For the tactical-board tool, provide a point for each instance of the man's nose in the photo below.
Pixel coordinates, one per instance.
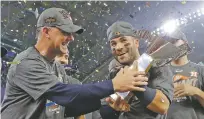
(119, 47)
(69, 38)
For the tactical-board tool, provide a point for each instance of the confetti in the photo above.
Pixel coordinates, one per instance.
(131, 16)
(14, 62)
(89, 3)
(183, 2)
(25, 31)
(92, 48)
(147, 4)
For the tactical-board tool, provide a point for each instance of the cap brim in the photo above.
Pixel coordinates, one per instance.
(71, 29)
(3, 51)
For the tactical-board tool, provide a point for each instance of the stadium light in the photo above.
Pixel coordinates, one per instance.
(170, 26)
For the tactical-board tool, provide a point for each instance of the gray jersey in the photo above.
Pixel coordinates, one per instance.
(187, 107)
(27, 82)
(159, 78)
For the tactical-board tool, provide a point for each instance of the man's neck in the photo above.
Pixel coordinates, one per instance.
(180, 62)
(45, 50)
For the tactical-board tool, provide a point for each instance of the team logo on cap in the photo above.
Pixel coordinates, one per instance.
(50, 20)
(117, 33)
(65, 14)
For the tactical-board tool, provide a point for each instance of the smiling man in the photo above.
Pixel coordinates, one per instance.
(155, 90)
(35, 78)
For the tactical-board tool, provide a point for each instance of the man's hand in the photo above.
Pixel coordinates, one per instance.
(118, 104)
(129, 80)
(182, 90)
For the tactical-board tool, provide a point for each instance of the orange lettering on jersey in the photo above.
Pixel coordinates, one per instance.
(178, 77)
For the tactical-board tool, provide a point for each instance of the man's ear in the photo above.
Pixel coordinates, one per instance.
(45, 31)
(137, 42)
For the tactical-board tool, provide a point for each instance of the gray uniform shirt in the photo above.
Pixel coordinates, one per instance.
(159, 78)
(187, 107)
(27, 82)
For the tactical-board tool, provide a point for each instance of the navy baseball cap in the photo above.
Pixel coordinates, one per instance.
(175, 36)
(178, 34)
(60, 18)
(120, 28)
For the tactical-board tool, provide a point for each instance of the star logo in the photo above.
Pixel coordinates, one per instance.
(194, 74)
(117, 33)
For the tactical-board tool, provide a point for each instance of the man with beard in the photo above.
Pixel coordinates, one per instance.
(149, 102)
(35, 78)
(188, 77)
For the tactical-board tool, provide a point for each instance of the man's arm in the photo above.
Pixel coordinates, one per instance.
(154, 100)
(159, 92)
(110, 108)
(36, 80)
(71, 80)
(200, 92)
(189, 90)
(182, 90)
(79, 99)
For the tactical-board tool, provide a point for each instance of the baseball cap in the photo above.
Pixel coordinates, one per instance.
(3, 51)
(60, 18)
(120, 28)
(178, 34)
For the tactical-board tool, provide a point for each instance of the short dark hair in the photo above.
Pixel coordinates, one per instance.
(37, 32)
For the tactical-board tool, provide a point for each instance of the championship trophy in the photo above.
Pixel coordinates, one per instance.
(159, 52)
